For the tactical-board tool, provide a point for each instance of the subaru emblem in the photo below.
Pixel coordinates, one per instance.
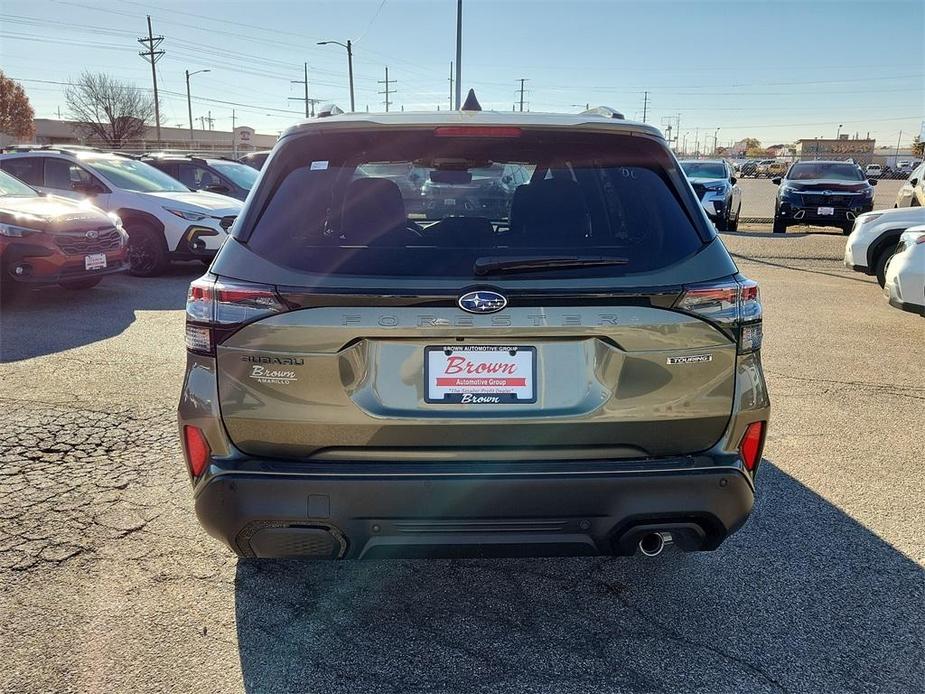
(92, 234)
(482, 301)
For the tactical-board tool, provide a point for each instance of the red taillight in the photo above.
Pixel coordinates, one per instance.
(197, 450)
(752, 443)
(216, 308)
(477, 131)
(734, 304)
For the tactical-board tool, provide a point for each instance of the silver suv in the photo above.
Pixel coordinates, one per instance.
(578, 373)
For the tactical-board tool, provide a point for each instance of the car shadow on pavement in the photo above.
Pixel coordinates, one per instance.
(50, 320)
(804, 598)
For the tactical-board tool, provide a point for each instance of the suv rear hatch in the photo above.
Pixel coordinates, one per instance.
(338, 321)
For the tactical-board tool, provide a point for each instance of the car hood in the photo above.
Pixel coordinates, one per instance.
(200, 201)
(823, 184)
(46, 213)
(899, 217)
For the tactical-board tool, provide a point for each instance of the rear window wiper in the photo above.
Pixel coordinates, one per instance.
(534, 263)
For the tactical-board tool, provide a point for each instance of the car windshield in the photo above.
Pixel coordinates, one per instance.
(461, 199)
(137, 176)
(241, 175)
(10, 186)
(699, 169)
(833, 172)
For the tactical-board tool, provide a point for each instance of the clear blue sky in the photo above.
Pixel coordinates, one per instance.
(773, 70)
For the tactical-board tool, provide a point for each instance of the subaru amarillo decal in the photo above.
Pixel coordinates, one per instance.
(482, 301)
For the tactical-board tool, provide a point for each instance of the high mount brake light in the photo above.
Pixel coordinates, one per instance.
(216, 308)
(732, 304)
(477, 131)
(751, 444)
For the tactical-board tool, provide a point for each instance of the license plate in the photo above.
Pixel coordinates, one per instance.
(449, 202)
(826, 210)
(480, 374)
(97, 261)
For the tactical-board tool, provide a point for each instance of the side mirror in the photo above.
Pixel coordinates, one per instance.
(872, 181)
(776, 181)
(219, 188)
(733, 180)
(913, 181)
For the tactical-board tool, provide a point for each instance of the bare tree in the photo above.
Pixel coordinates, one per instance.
(108, 109)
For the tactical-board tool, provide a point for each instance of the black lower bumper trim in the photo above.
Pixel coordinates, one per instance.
(906, 306)
(412, 514)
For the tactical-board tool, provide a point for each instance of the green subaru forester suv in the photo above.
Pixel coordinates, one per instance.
(576, 371)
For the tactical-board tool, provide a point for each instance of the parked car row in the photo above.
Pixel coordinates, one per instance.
(159, 218)
(890, 245)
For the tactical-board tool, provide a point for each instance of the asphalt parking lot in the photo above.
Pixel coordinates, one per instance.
(109, 585)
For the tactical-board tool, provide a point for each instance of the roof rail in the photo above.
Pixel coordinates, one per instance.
(605, 111)
(329, 110)
(51, 148)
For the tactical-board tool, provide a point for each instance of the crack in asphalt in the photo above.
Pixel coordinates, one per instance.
(891, 388)
(618, 590)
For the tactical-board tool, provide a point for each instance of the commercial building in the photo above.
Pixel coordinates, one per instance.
(243, 139)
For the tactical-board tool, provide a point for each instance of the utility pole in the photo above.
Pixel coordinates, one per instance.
(900, 139)
(458, 54)
(309, 103)
(451, 85)
(715, 134)
(388, 90)
(152, 55)
(234, 137)
(645, 105)
(522, 80)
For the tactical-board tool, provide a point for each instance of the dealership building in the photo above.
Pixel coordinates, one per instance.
(241, 140)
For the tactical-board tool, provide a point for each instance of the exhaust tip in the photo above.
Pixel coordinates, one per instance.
(652, 544)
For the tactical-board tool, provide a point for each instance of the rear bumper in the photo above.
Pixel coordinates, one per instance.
(345, 510)
(809, 214)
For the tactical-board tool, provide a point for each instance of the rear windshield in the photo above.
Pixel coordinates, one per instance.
(833, 172)
(426, 203)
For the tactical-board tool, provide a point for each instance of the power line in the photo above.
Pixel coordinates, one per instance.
(152, 55)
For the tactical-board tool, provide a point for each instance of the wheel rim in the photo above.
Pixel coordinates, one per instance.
(141, 255)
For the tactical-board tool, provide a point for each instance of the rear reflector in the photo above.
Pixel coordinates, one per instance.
(476, 131)
(751, 445)
(197, 450)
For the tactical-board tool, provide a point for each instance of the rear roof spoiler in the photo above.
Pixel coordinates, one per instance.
(605, 111)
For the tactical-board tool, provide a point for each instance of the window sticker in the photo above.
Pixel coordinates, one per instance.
(319, 166)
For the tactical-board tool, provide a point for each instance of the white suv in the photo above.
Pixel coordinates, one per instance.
(874, 237)
(165, 220)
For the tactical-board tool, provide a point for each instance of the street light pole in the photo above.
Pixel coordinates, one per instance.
(838, 132)
(349, 47)
(715, 134)
(189, 101)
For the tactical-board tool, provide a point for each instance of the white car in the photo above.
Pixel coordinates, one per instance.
(905, 273)
(912, 191)
(164, 219)
(874, 237)
(873, 171)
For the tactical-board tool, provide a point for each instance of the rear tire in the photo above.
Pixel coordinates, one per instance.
(779, 226)
(882, 260)
(147, 250)
(87, 283)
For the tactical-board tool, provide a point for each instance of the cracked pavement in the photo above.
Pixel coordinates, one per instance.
(109, 585)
